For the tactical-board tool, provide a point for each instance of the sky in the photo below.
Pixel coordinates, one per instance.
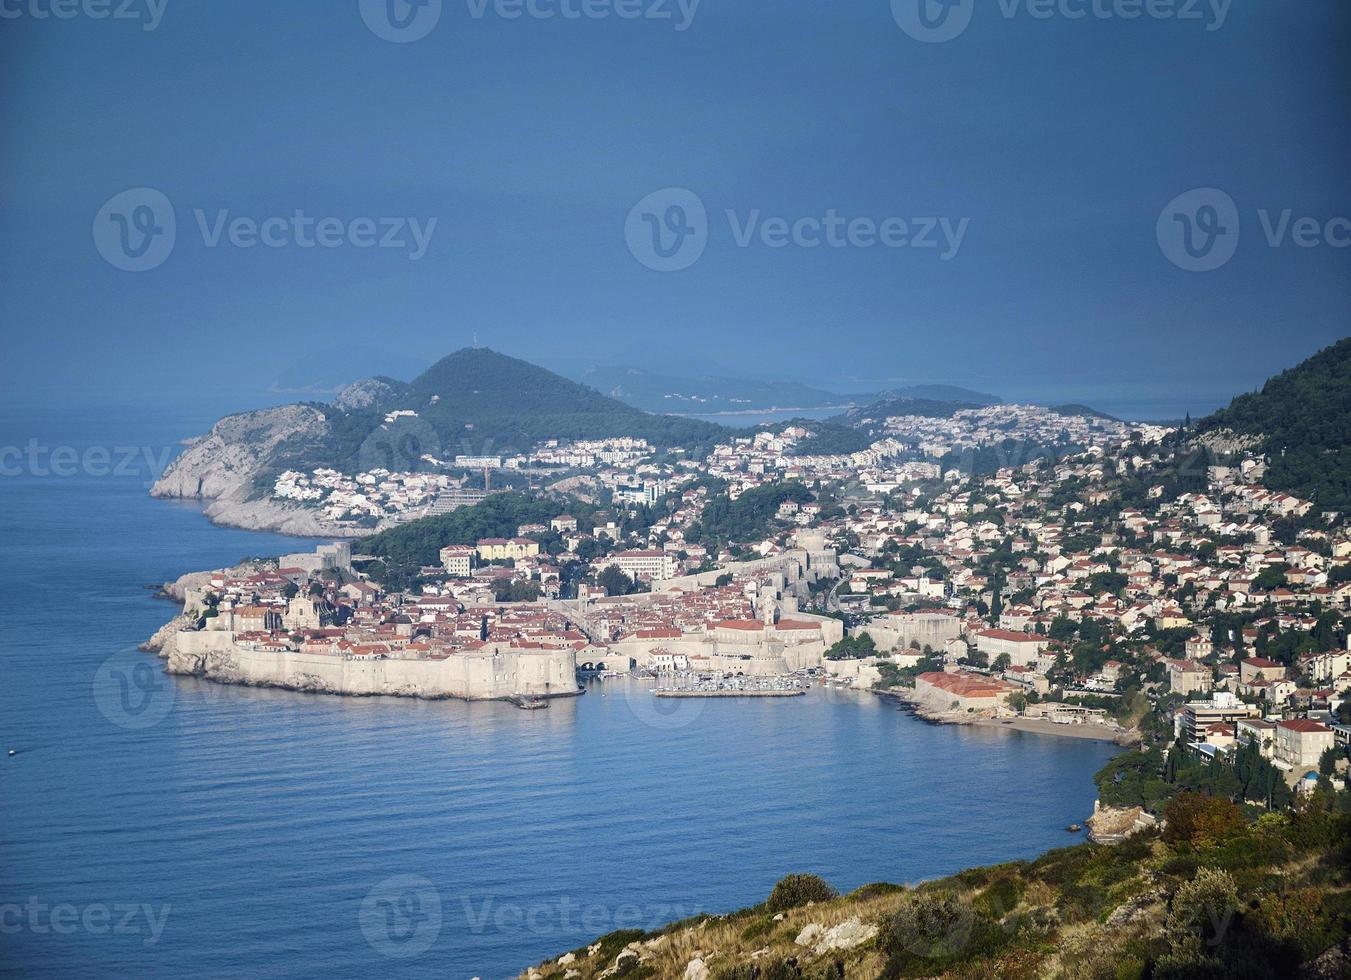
(1144, 213)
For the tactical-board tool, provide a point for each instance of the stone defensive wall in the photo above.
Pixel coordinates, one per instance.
(898, 631)
(476, 676)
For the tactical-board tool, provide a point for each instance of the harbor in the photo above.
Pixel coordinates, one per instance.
(696, 686)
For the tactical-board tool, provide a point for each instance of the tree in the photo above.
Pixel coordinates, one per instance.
(1201, 821)
(1001, 663)
(1327, 762)
(615, 582)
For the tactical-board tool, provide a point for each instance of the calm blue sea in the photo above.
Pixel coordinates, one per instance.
(159, 827)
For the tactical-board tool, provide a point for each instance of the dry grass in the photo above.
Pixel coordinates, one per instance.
(723, 941)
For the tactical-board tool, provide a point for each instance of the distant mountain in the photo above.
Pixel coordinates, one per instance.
(943, 393)
(480, 398)
(708, 394)
(1302, 420)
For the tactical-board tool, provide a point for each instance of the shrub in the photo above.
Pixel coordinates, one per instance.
(1198, 923)
(1293, 919)
(1002, 896)
(794, 891)
(875, 889)
(937, 931)
(1201, 821)
(742, 971)
(761, 927)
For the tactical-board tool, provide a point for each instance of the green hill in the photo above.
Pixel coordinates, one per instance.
(489, 402)
(474, 402)
(1303, 418)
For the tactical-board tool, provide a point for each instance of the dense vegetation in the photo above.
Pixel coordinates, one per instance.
(749, 516)
(406, 548)
(1216, 895)
(1304, 417)
(830, 439)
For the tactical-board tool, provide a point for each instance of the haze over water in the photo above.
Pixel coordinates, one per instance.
(260, 827)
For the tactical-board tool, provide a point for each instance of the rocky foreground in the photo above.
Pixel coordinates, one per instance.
(1211, 896)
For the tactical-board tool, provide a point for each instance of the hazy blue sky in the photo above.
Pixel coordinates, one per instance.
(1058, 141)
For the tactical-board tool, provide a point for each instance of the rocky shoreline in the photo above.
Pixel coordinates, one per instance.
(222, 469)
(1031, 726)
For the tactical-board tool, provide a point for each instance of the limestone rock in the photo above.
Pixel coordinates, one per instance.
(810, 935)
(1112, 825)
(223, 469)
(848, 934)
(696, 969)
(365, 394)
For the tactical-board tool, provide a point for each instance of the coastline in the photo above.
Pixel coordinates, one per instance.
(1123, 737)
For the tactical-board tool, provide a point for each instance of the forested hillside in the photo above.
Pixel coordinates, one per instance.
(1304, 418)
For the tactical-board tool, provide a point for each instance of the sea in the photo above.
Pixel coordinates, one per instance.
(155, 826)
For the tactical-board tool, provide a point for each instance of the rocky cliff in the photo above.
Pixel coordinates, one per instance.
(223, 470)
